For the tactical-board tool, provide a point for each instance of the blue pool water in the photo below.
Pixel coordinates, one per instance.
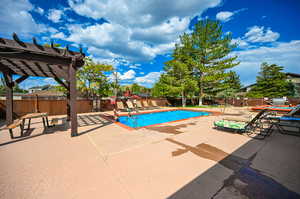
(280, 107)
(147, 119)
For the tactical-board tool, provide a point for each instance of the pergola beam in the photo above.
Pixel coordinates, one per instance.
(61, 82)
(21, 79)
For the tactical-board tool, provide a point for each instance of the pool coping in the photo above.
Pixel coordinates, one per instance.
(259, 108)
(213, 113)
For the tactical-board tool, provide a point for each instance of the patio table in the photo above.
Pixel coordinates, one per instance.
(30, 116)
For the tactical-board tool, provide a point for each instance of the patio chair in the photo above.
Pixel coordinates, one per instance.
(286, 124)
(130, 105)
(121, 107)
(242, 127)
(146, 105)
(154, 104)
(139, 105)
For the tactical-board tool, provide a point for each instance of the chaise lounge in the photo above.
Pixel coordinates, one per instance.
(241, 126)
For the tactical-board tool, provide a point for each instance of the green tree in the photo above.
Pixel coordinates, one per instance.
(135, 88)
(16, 88)
(210, 54)
(92, 80)
(232, 81)
(177, 79)
(271, 82)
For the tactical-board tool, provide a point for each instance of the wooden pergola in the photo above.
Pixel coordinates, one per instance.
(31, 59)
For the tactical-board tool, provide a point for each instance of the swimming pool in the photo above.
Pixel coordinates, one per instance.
(146, 119)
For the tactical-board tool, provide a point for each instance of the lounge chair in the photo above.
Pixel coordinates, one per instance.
(241, 127)
(121, 107)
(139, 105)
(130, 105)
(146, 105)
(287, 124)
(154, 104)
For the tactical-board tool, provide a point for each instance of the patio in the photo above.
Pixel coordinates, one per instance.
(185, 159)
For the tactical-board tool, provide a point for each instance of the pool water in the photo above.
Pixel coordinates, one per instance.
(280, 107)
(146, 119)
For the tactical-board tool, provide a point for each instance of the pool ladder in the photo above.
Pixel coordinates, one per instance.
(133, 118)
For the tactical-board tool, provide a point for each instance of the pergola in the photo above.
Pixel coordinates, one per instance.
(31, 59)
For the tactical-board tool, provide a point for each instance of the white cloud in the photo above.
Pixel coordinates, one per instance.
(166, 32)
(39, 10)
(149, 79)
(114, 41)
(128, 75)
(227, 15)
(139, 31)
(254, 35)
(59, 35)
(224, 16)
(143, 13)
(282, 53)
(34, 81)
(135, 66)
(239, 42)
(15, 17)
(261, 34)
(55, 15)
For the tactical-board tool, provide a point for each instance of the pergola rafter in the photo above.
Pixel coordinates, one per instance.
(31, 59)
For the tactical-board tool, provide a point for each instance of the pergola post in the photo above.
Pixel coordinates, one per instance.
(9, 97)
(68, 103)
(73, 97)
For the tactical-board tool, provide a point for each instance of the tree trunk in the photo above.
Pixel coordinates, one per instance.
(100, 103)
(201, 93)
(201, 96)
(183, 100)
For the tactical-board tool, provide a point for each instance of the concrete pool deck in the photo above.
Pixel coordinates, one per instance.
(186, 159)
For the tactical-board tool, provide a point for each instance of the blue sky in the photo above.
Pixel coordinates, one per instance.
(137, 37)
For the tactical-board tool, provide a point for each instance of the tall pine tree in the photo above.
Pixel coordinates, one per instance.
(271, 82)
(210, 53)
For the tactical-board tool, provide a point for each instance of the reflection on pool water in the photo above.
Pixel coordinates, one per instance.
(147, 119)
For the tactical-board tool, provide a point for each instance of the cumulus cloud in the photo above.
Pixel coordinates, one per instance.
(224, 16)
(59, 35)
(282, 53)
(149, 79)
(113, 40)
(55, 15)
(261, 34)
(37, 81)
(15, 16)
(128, 75)
(138, 31)
(254, 35)
(141, 13)
(227, 15)
(239, 42)
(166, 32)
(39, 10)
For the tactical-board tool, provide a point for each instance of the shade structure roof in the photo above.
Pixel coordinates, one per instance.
(33, 59)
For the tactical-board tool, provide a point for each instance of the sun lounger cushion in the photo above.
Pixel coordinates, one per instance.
(230, 124)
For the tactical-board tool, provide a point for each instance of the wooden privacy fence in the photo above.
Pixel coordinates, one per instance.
(52, 107)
